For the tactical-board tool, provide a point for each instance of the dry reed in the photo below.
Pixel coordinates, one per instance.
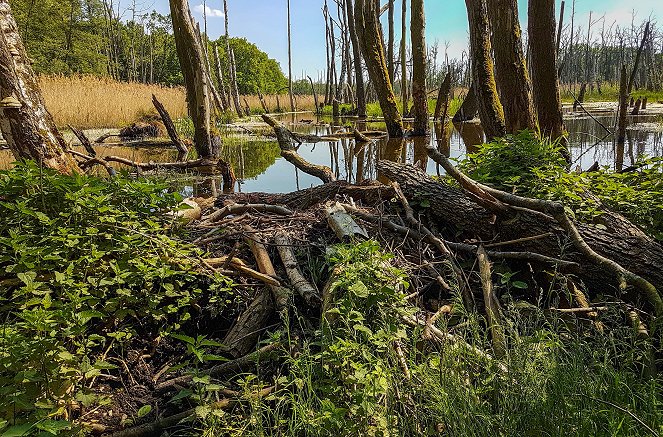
(97, 102)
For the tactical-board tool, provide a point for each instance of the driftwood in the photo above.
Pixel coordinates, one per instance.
(289, 152)
(85, 142)
(620, 241)
(343, 225)
(244, 334)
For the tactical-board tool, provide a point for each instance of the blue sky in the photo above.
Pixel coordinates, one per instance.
(264, 22)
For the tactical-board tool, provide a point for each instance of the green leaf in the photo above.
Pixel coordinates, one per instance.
(17, 430)
(519, 284)
(54, 426)
(144, 410)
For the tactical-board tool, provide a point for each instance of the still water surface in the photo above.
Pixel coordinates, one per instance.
(259, 167)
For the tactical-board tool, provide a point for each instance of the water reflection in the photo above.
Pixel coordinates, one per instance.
(259, 167)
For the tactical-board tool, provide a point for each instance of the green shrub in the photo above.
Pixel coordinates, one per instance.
(87, 266)
(525, 165)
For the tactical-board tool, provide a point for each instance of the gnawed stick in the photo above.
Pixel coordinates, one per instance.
(241, 267)
(282, 295)
(493, 310)
(297, 279)
(402, 362)
(235, 209)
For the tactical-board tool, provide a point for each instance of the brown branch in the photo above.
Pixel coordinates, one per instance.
(285, 139)
(298, 281)
(557, 211)
(170, 128)
(235, 209)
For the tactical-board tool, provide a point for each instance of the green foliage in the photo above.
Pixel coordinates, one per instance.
(87, 266)
(256, 71)
(348, 380)
(528, 166)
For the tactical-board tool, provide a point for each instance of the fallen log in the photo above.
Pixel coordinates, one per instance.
(369, 193)
(243, 336)
(617, 239)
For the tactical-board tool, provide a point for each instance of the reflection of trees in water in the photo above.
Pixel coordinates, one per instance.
(472, 135)
(251, 158)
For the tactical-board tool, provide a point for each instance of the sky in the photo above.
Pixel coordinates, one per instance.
(264, 22)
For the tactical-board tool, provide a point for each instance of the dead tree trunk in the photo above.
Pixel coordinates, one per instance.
(26, 124)
(193, 66)
(392, 38)
(403, 50)
(292, 99)
(490, 107)
(419, 94)
(368, 31)
(356, 54)
(469, 108)
(513, 83)
(623, 108)
(232, 74)
(541, 31)
(443, 98)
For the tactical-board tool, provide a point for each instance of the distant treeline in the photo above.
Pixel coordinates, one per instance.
(109, 38)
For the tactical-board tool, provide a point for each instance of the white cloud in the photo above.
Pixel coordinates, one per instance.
(210, 12)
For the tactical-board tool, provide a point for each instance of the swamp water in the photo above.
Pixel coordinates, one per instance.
(259, 167)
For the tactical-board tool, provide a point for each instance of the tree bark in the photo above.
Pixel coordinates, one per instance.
(403, 50)
(391, 42)
(469, 108)
(541, 30)
(419, 94)
(443, 99)
(490, 107)
(620, 241)
(356, 54)
(292, 99)
(513, 83)
(26, 124)
(367, 26)
(192, 61)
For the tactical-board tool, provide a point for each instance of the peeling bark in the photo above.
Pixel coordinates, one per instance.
(26, 125)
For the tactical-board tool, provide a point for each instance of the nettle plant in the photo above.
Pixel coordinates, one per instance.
(528, 166)
(87, 266)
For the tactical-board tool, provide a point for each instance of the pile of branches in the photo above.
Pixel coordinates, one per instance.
(448, 238)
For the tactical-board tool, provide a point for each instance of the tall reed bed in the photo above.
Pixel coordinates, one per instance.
(97, 102)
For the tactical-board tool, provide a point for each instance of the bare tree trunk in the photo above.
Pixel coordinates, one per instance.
(623, 108)
(515, 88)
(368, 32)
(192, 61)
(404, 97)
(490, 107)
(26, 124)
(356, 54)
(232, 77)
(392, 38)
(221, 82)
(645, 36)
(443, 98)
(559, 28)
(292, 100)
(419, 94)
(547, 100)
